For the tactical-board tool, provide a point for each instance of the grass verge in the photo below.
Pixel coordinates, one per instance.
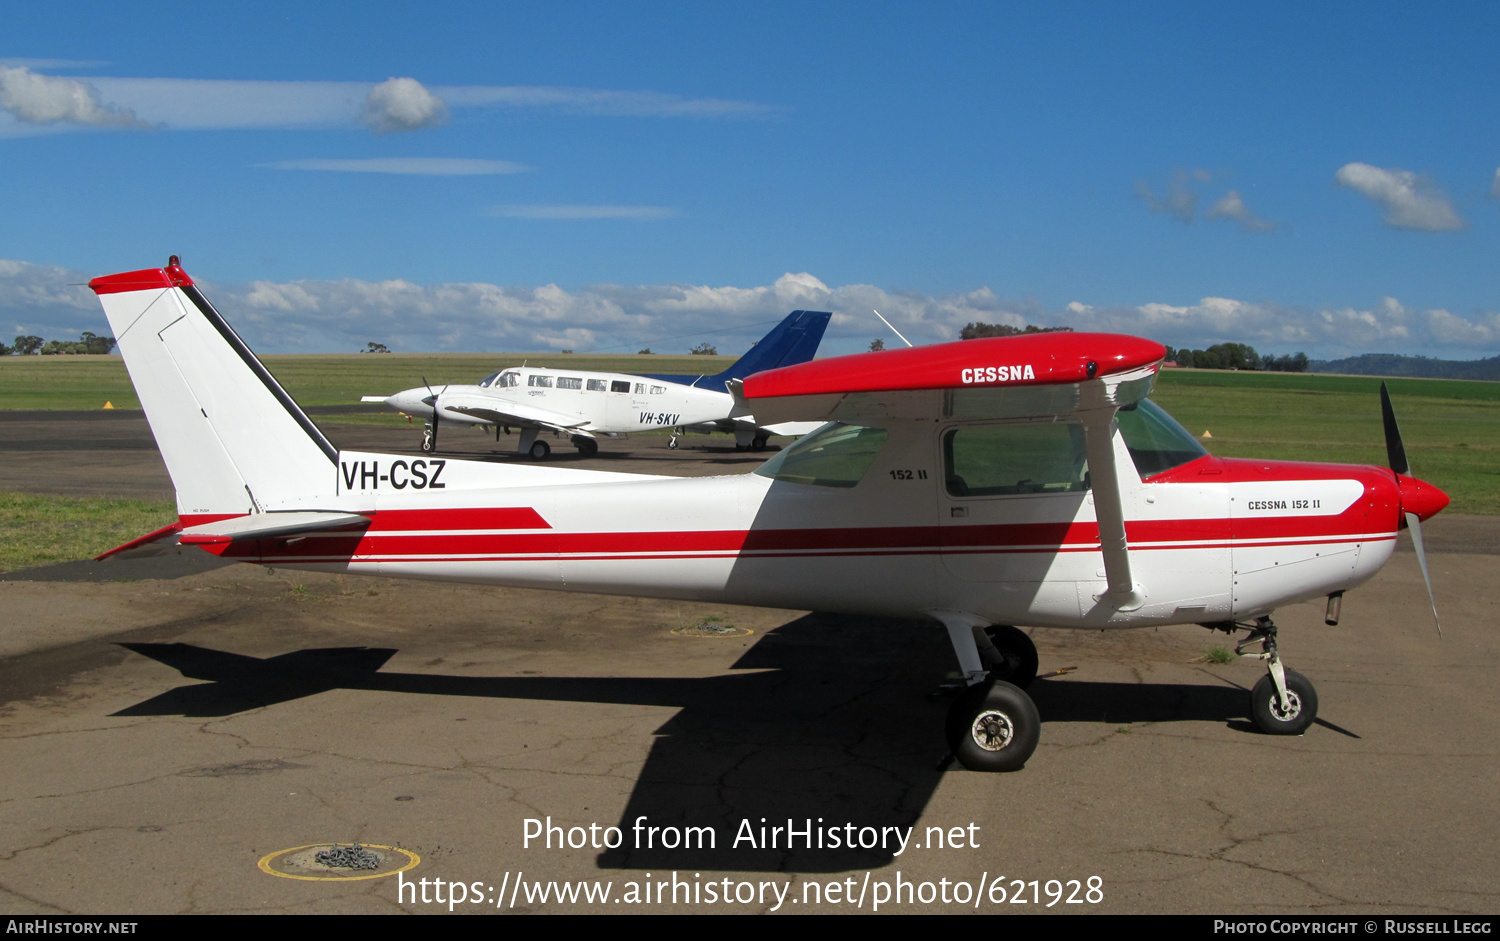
(41, 530)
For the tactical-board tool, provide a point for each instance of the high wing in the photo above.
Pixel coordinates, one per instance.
(496, 412)
(1085, 375)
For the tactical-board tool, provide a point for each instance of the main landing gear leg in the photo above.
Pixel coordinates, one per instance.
(672, 441)
(992, 725)
(1283, 702)
(429, 438)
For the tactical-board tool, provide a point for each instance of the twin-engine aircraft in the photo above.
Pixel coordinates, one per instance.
(583, 405)
(979, 485)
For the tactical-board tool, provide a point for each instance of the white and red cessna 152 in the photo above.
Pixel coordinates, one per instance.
(980, 484)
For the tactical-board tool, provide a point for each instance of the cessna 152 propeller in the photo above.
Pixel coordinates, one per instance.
(585, 404)
(980, 484)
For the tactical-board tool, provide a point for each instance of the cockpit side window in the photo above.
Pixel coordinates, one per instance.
(1155, 441)
(509, 380)
(1015, 458)
(836, 455)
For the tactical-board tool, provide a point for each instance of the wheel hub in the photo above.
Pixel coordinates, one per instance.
(992, 730)
(1286, 712)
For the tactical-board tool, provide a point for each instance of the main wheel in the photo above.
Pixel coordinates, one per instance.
(672, 443)
(429, 441)
(540, 450)
(993, 726)
(1290, 718)
(759, 442)
(1018, 658)
(587, 447)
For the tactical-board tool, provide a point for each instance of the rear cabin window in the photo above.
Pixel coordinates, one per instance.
(1015, 458)
(597, 385)
(1155, 441)
(615, 385)
(568, 382)
(658, 390)
(835, 455)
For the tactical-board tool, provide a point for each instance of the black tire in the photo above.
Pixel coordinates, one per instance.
(1018, 661)
(993, 726)
(759, 443)
(1268, 713)
(429, 443)
(587, 447)
(540, 450)
(671, 444)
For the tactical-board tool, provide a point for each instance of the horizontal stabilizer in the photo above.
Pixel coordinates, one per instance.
(270, 525)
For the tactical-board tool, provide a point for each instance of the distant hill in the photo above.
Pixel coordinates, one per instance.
(1416, 367)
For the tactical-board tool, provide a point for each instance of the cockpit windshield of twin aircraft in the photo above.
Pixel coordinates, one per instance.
(993, 459)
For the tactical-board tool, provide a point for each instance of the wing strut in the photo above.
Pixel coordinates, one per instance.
(1123, 593)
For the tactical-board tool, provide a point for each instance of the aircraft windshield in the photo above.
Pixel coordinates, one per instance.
(487, 380)
(836, 455)
(1156, 442)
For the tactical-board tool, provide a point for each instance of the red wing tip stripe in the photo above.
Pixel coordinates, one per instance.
(144, 280)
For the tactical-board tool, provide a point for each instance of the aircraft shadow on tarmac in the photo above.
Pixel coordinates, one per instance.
(837, 723)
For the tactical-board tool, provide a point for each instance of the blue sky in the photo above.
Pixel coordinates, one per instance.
(494, 176)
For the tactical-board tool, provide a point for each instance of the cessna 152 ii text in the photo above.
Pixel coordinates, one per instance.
(584, 404)
(979, 484)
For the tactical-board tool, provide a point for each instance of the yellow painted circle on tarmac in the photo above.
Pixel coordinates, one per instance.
(707, 630)
(268, 861)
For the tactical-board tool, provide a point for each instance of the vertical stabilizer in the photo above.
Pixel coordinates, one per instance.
(232, 438)
(790, 342)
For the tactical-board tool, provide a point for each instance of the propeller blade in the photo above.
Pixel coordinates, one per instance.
(1395, 451)
(1414, 524)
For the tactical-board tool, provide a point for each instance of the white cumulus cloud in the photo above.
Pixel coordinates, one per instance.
(402, 104)
(48, 99)
(1410, 201)
(344, 315)
(1232, 206)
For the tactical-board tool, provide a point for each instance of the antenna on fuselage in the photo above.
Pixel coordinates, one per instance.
(893, 329)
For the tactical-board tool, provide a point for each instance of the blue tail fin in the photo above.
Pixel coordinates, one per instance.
(792, 341)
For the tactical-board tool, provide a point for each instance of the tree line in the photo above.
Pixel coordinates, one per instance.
(1237, 356)
(87, 343)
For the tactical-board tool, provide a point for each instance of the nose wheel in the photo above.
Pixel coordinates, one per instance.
(1283, 702)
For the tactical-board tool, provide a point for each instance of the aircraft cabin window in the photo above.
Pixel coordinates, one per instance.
(658, 390)
(543, 381)
(835, 455)
(1155, 441)
(1015, 458)
(640, 388)
(597, 385)
(616, 385)
(569, 382)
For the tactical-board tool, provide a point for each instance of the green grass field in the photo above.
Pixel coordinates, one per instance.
(87, 382)
(1451, 427)
(37, 530)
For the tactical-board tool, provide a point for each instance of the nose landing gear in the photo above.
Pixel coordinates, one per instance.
(1283, 702)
